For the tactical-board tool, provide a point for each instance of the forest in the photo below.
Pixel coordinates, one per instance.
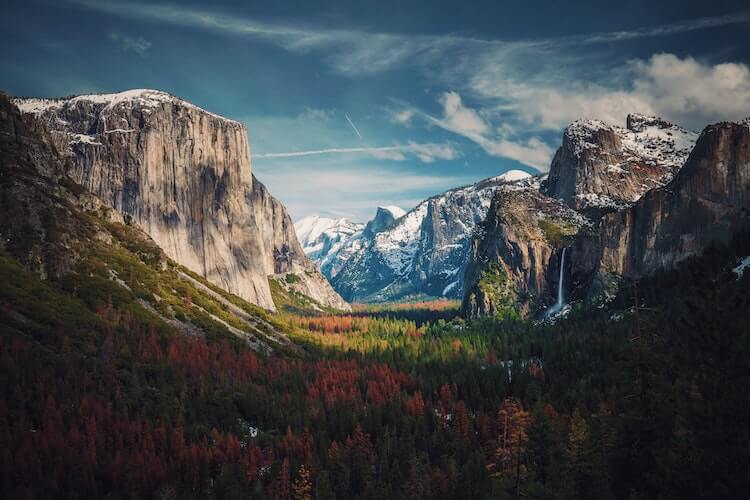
(646, 396)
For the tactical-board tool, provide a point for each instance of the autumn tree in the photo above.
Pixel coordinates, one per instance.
(302, 487)
(506, 462)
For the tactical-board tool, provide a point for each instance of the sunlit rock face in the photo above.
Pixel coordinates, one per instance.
(184, 176)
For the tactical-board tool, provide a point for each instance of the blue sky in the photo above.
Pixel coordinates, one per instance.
(350, 105)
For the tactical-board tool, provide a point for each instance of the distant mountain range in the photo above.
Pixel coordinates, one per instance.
(625, 201)
(397, 255)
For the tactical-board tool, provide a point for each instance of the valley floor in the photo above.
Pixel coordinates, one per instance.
(103, 397)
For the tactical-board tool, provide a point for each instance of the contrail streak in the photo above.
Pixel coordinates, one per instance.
(353, 126)
(330, 151)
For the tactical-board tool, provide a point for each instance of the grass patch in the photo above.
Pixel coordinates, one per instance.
(559, 234)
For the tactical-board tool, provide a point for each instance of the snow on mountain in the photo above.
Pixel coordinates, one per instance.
(326, 241)
(395, 211)
(512, 176)
(425, 251)
(141, 98)
(743, 266)
(607, 166)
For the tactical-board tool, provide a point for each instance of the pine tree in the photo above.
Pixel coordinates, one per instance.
(578, 454)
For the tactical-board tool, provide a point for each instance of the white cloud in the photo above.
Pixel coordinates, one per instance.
(459, 118)
(683, 90)
(533, 152)
(403, 116)
(467, 122)
(687, 90)
(428, 153)
(139, 45)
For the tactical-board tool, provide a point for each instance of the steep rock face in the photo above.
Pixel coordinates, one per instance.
(708, 201)
(183, 175)
(516, 256)
(425, 251)
(280, 251)
(384, 218)
(600, 166)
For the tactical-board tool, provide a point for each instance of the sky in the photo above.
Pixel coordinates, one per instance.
(354, 104)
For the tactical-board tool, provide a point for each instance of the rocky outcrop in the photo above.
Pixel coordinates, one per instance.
(707, 202)
(515, 258)
(314, 288)
(605, 167)
(183, 175)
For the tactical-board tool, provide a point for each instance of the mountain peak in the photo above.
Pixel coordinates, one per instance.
(512, 176)
(637, 122)
(395, 211)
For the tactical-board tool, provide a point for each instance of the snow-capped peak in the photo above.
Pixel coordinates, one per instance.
(310, 228)
(512, 176)
(650, 138)
(396, 212)
(324, 238)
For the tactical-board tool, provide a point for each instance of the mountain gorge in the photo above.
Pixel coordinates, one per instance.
(420, 253)
(183, 175)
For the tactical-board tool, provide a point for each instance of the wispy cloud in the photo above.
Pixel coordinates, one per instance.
(427, 153)
(467, 122)
(507, 95)
(357, 52)
(350, 191)
(138, 44)
(353, 126)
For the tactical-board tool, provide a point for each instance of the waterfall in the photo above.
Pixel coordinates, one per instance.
(557, 307)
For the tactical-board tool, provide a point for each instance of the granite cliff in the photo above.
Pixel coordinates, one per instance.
(184, 176)
(628, 201)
